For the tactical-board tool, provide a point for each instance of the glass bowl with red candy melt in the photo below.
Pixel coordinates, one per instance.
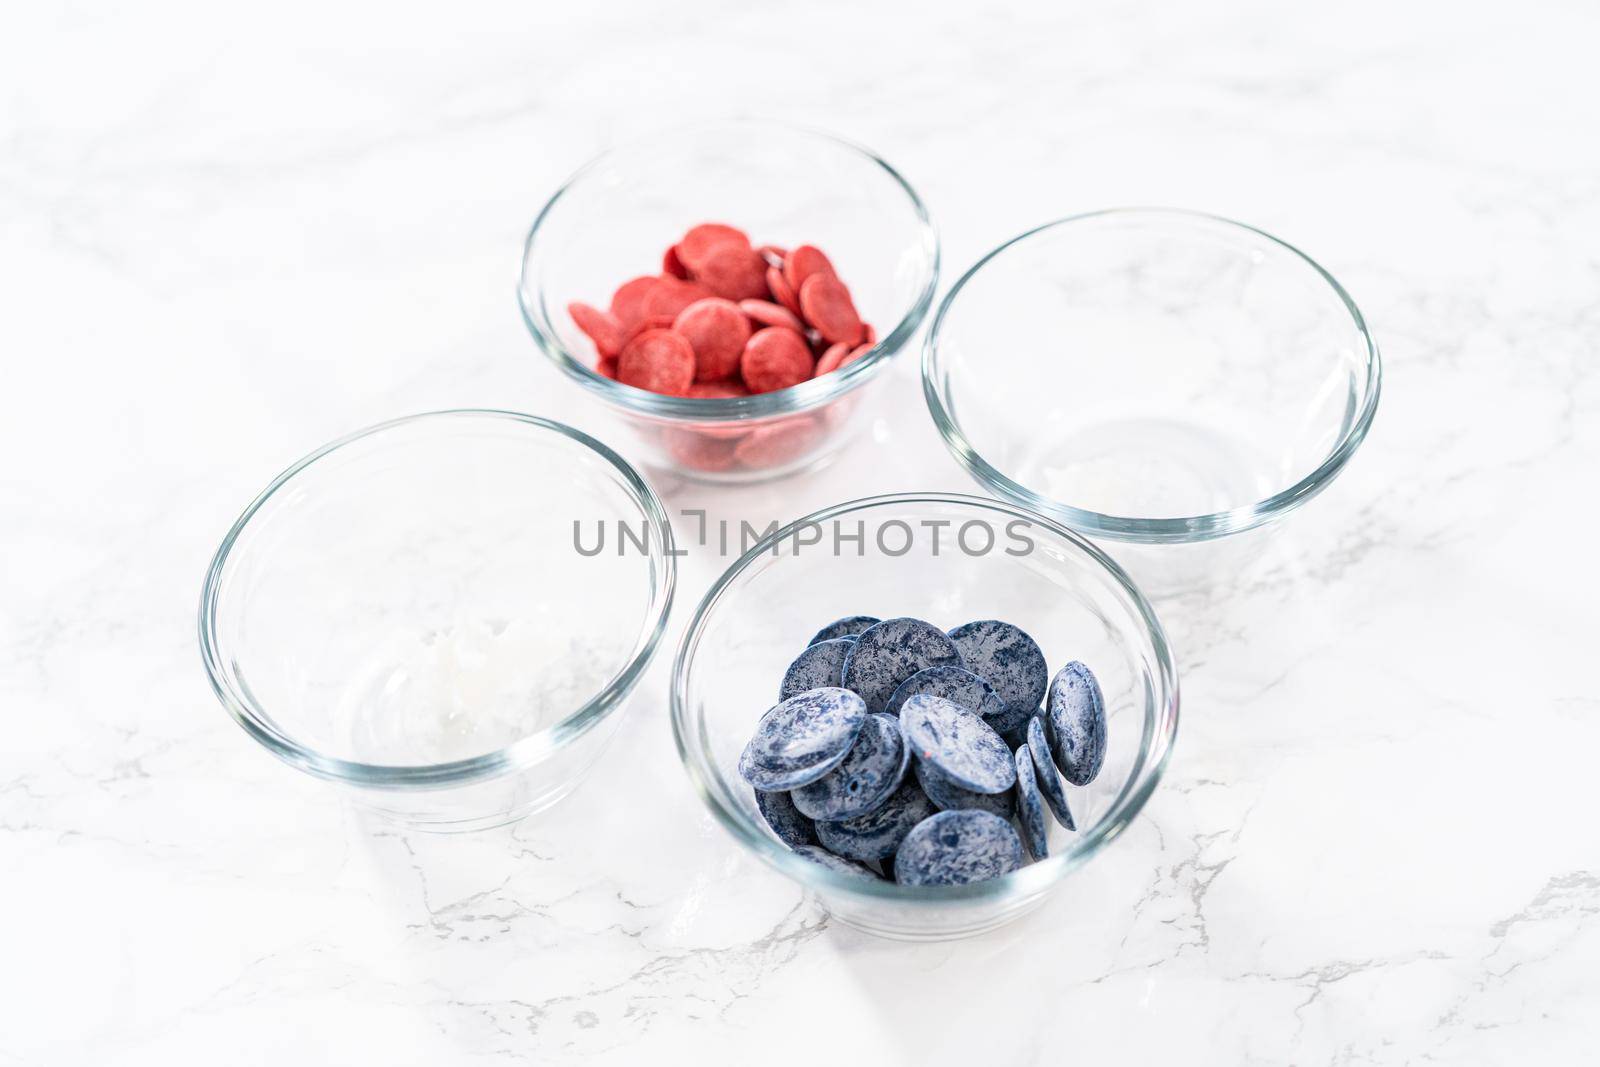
(782, 186)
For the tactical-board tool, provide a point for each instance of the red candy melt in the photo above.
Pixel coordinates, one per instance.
(720, 258)
(775, 358)
(766, 313)
(699, 451)
(717, 331)
(778, 443)
(736, 272)
(833, 358)
(726, 390)
(671, 264)
(839, 356)
(659, 361)
(601, 326)
(671, 295)
(782, 291)
(627, 303)
(825, 303)
(802, 263)
(726, 319)
(704, 240)
(649, 322)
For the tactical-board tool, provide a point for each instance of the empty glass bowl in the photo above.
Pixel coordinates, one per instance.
(948, 559)
(1151, 376)
(418, 612)
(783, 186)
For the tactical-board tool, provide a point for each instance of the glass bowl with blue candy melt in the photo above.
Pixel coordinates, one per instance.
(949, 559)
(407, 613)
(1153, 377)
(780, 184)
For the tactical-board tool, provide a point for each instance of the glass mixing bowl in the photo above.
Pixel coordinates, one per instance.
(948, 559)
(782, 185)
(1151, 376)
(417, 612)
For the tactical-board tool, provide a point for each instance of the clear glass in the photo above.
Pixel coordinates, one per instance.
(780, 184)
(406, 612)
(1151, 376)
(930, 556)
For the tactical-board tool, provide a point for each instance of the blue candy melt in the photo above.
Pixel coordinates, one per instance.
(824, 858)
(958, 848)
(877, 834)
(989, 735)
(1012, 725)
(873, 769)
(1045, 773)
(820, 664)
(803, 738)
(848, 627)
(947, 796)
(889, 652)
(1030, 808)
(957, 685)
(1076, 721)
(958, 744)
(779, 812)
(1009, 660)
(1017, 736)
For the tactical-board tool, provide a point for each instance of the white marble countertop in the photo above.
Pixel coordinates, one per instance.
(228, 234)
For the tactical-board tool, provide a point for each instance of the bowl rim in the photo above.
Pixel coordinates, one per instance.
(803, 397)
(520, 754)
(1171, 530)
(1157, 736)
